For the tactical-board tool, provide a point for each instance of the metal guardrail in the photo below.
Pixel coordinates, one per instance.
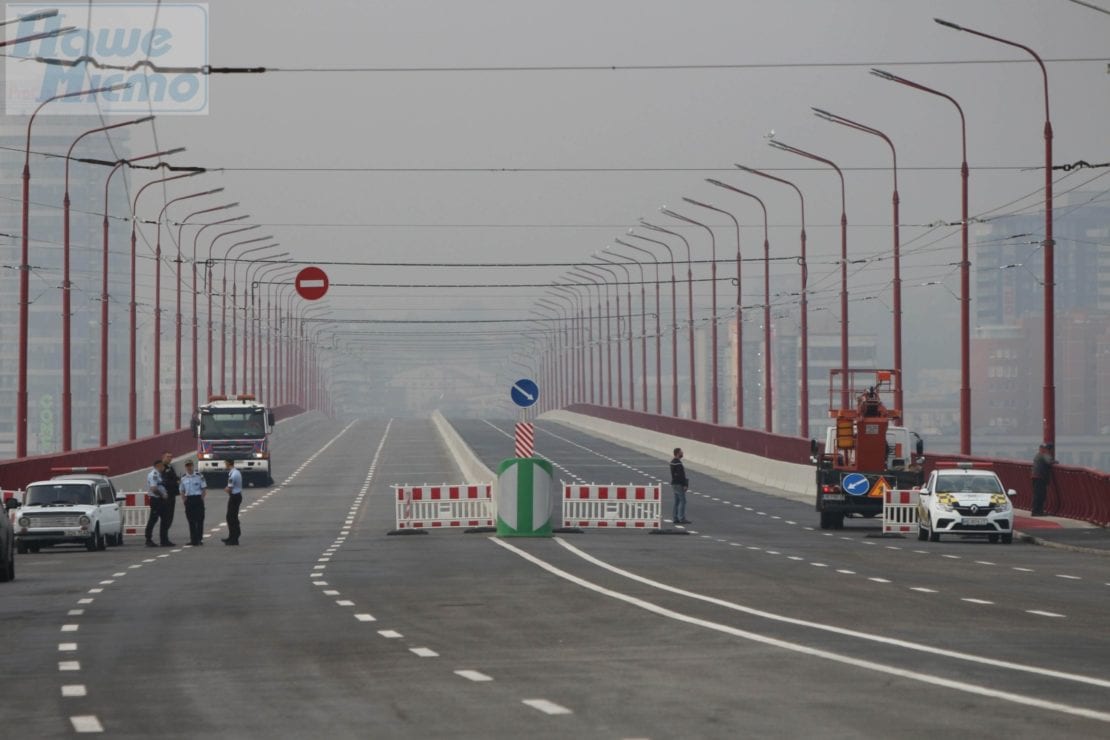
(1075, 493)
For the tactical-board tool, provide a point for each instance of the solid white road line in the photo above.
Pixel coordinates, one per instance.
(547, 707)
(829, 628)
(473, 675)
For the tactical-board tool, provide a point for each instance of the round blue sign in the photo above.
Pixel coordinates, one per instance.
(525, 392)
(856, 484)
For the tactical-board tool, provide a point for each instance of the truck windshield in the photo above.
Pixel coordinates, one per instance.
(59, 494)
(233, 425)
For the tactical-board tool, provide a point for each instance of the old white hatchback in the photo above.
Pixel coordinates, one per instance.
(81, 508)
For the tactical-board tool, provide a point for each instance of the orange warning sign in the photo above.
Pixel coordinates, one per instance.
(879, 489)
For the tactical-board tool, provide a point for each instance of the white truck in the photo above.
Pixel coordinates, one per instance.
(234, 429)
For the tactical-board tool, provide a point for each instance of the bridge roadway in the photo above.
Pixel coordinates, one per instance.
(753, 625)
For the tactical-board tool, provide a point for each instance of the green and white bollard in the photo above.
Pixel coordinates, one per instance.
(525, 504)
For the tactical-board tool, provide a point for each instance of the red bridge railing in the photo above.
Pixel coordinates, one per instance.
(1075, 493)
(120, 458)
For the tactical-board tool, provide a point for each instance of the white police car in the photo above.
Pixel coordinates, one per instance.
(964, 500)
(77, 507)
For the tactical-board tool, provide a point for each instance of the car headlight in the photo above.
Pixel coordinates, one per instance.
(24, 522)
(205, 456)
(1003, 507)
(260, 455)
(948, 507)
(84, 521)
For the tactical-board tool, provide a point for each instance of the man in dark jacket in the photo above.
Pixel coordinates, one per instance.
(679, 484)
(1042, 474)
(172, 483)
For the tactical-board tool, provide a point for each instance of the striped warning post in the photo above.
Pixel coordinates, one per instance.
(525, 439)
(899, 511)
(445, 506)
(614, 506)
(135, 511)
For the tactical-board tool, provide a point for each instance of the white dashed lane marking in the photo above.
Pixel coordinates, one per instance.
(424, 652)
(547, 707)
(473, 675)
(977, 601)
(69, 665)
(74, 690)
(390, 634)
(86, 723)
(365, 617)
(1040, 613)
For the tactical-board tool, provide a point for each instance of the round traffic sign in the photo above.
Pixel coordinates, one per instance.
(856, 484)
(312, 283)
(525, 392)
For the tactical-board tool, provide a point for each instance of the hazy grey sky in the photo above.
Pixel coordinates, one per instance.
(698, 119)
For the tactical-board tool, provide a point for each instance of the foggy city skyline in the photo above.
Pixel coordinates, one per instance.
(497, 132)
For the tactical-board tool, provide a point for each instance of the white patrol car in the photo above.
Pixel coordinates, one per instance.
(966, 501)
(76, 507)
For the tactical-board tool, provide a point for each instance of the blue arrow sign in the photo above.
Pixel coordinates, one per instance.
(525, 392)
(856, 484)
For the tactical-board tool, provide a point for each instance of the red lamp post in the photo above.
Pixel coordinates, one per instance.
(263, 366)
(768, 377)
(617, 304)
(132, 401)
(104, 291)
(208, 292)
(690, 307)
(25, 256)
(674, 320)
(965, 262)
(631, 332)
(223, 309)
(194, 291)
(643, 327)
(581, 273)
(586, 341)
(177, 321)
(844, 400)
(1049, 399)
(803, 411)
(67, 390)
(250, 316)
(833, 118)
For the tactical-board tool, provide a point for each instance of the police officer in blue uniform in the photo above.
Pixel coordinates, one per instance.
(157, 497)
(234, 501)
(193, 490)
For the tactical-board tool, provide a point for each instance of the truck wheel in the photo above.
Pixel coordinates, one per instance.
(838, 521)
(826, 520)
(1008, 539)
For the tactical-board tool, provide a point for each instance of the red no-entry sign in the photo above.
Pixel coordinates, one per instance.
(312, 283)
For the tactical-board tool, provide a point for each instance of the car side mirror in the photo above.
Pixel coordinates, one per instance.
(813, 448)
(1011, 493)
(194, 424)
(270, 417)
(120, 498)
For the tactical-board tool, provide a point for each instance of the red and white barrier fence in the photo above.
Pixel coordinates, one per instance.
(899, 511)
(525, 439)
(615, 506)
(445, 506)
(134, 511)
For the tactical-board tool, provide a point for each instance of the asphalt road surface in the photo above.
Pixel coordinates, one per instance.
(754, 624)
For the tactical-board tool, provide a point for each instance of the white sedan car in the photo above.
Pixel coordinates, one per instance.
(80, 509)
(964, 500)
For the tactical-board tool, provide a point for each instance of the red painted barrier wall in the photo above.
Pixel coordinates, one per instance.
(120, 458)
(1075, 493)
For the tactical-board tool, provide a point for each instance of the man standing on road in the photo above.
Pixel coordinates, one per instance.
(1042, 475)
(170, 481)
(157, 497)
(234, 501)
(679, 484)
(193, 490)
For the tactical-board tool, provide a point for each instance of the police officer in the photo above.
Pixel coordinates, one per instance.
(170, 480)
(157, 496)
(234, 501)
(193, 491)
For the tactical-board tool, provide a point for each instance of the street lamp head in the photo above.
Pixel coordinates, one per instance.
(949, 24)
(38, 15)
(693, 202)
(883, 74)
